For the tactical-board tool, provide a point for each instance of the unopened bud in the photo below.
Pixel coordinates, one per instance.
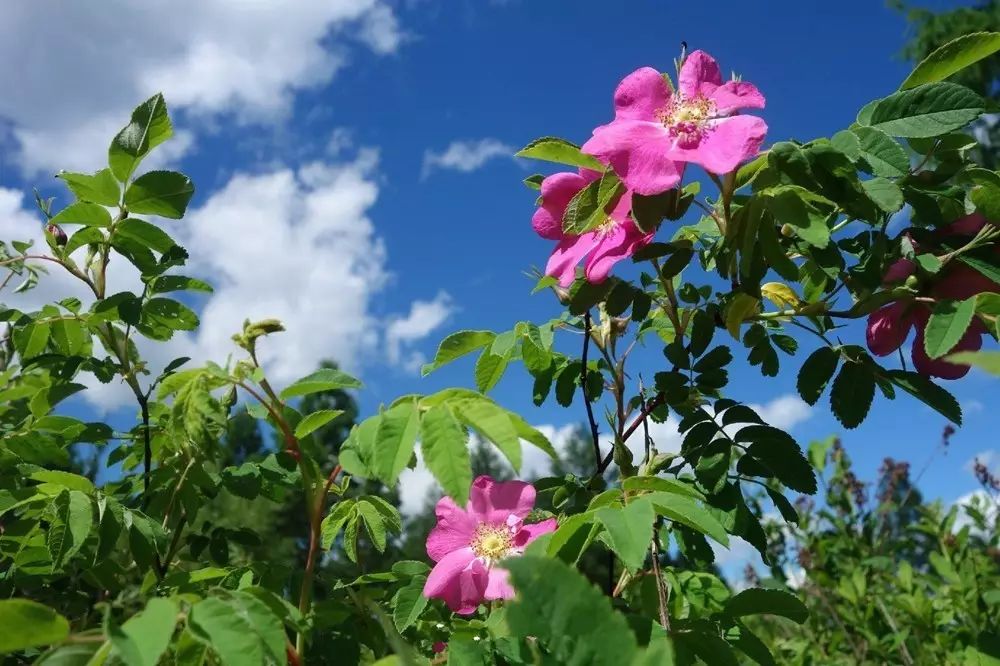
(57, 233)
(912, 282)
(787, 230)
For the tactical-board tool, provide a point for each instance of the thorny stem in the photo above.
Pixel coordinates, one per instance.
(662, 594)
(652, 404)
(316, 519)
(583, 389)
(291, 443)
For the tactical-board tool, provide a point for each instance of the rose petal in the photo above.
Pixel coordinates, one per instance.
(970, 225)
(925, 365)
(557, 191)
(961, 282)
(493, 502)
(568, 254)
(454, 530)
(732, 96)
(641, 95)
(725, 145)
(498, 585)
(698, 69)
(888, 328)
(459, 579)
(637, 151)
(620, 244)
(529, 533)
(899, 271)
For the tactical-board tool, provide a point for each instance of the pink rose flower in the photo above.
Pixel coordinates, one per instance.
(656, 131)
(616, 239)
(468, 543)
(889, 326)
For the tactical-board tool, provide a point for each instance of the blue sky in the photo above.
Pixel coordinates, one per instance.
(353, 170)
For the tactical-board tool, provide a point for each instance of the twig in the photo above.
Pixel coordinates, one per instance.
(661, 587)
(646, 411)
(315, 525)
(583, 389)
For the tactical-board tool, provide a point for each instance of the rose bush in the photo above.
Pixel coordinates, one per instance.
(792, 245)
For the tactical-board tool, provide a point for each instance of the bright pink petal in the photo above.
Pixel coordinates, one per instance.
(699, 75)
(726, 144)
(732, 96)
(925, 365)
(888, 328)
(557, 190)
(899, 271)
(529, 533)
(620, 244)
(494, 502)
(637, 151)
(641, 95)
(454, 530)
(568, 254)
(960, 282)
(459, 579)
(499, 586)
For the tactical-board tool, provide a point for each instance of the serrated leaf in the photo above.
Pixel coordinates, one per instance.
(490, 368)
(493, 423)
(86, 214)
(686, 511)
(953, 57)
(149, 632)
(149, 127)
(885, 193)
(554, 149)
(551, 603)
(163, 193)
(315, 421)
(739, 309)
(852, 394)
(29, 624)
(456, 345)
(984, 360)
(99, 188)
(883, 154)
(816, 373)
(928, 392)
(74, 518)
(443, 442)
(408, 603)
(779, 455)
(947, 324)
(241, 629)
(927, 110)
(630, 530)
(758, 601)
(586, 210)
(145, 234)
(327, 379)
(394, 441)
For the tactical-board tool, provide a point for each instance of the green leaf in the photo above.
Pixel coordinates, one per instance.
(984, 360)
(586, 210)
(101, 188)
(816, 373)
(457, 345)
(852, 394)
(28, 624)
(73, 519)
(494, 424)
(567, 614)
(928, 392)
(149, 127)
(69, 336)
(84, 236)
(686, 511)
(241, 629)
(145, 234)
(490, 368)
(953, 57)
(327, 379)
(847, 142)
(779, 454)
(630, 530)
(443, 443)
(163, 193)
(885, 193)
(150, 631)
(394, 441)
(166, 313)
(316, 420)
(554, 149)
(167, 283)
(793, 205)
(928, 110)
(986, 198)
(87, 214)
(408, 603)
(947, 324)
(757, 601)
(883, 154)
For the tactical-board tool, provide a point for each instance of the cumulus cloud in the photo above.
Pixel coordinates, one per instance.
(294, 244)
(424, 317)
(466, 156)
(70, 91)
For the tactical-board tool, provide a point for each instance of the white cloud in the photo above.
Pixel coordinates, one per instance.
(69, 92)
(784, 412)
(972, 406)
(424, 317)
(981, 501)
(466, 156)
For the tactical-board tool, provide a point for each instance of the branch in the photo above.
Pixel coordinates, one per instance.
(646, 411)
(583, 389)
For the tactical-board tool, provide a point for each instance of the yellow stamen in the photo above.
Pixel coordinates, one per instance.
(492, 542)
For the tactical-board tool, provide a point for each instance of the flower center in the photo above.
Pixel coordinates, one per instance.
(606, 227)
(492, 542)
(687, 119)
